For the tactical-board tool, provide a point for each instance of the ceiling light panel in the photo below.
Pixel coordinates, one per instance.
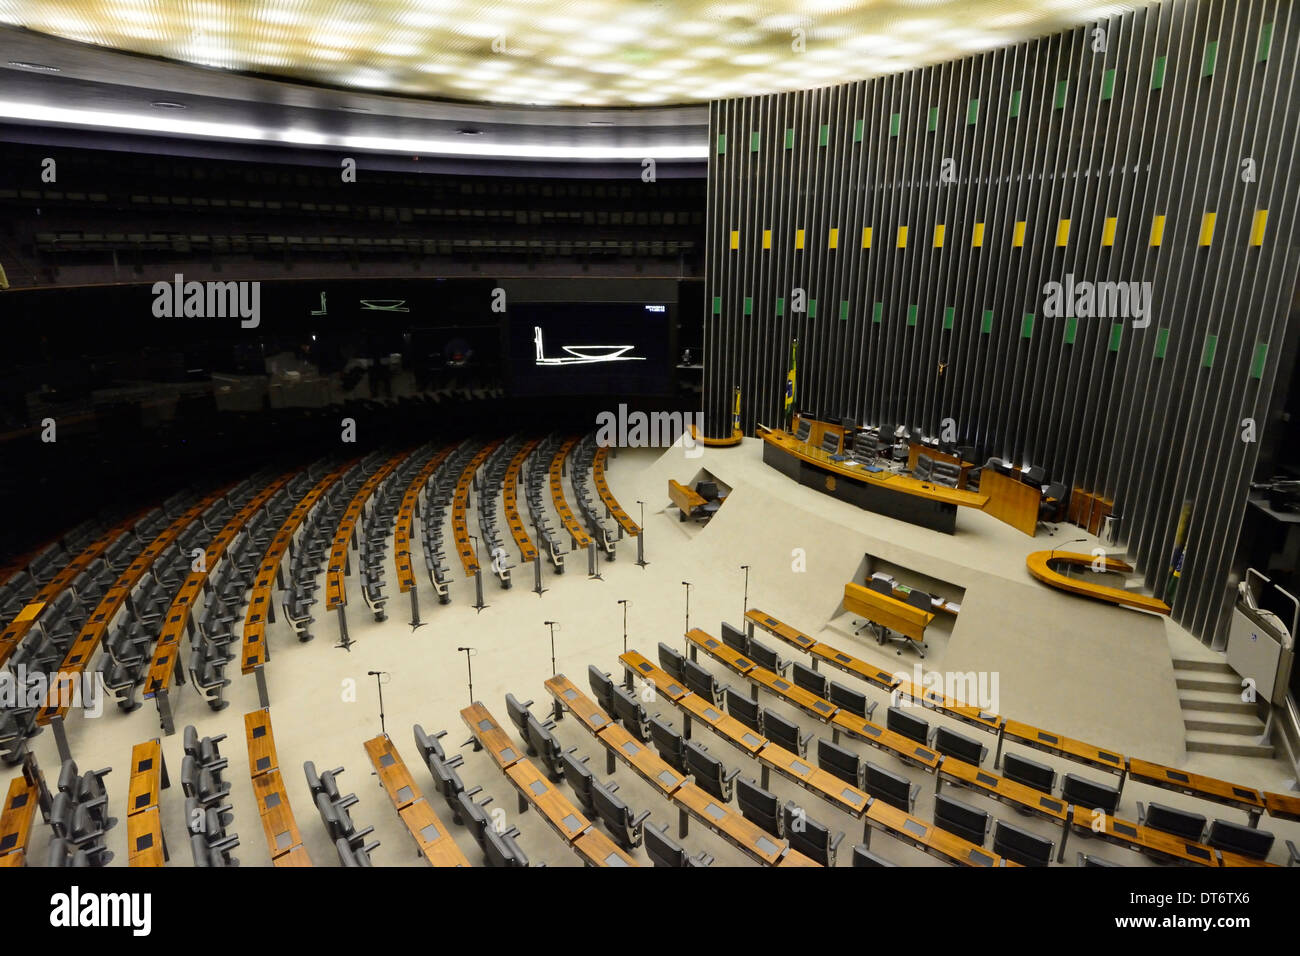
(614, 53)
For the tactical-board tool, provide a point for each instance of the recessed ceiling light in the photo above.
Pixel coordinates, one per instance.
(168, 105)
(40, 67)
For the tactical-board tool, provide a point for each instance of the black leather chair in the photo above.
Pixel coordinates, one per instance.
(671, 661)
(1031, 773)
(810, 680)
(517, 711)
(711, 775)
(854, 701)
(701, 682)
(894, 790)
(1021, 846)
(745, 709)
(1158, 816)
(630, 713)
(901, 721)
(864, 857)
(809, 837)
(500, 849)
(669, 743)
(428, 745)
(952, 744)
(623, 825)
(759, 806)
(543, 743)
(1088, 793)
(735, 638)
(1236, 838)
(785, 733)
(969, 823)
(579, 777)
(762, 654)
(602, 686)
(663, 850)
(843, 763)
(803, 430)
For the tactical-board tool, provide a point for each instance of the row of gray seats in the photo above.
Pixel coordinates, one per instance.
(79, 818)
(592, 509)
(491, 477)
(438, 495)
(537, 485)
(349, 840)
(377, 529)
(206, 815)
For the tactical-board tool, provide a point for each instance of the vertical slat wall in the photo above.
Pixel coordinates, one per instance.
(1069, 155)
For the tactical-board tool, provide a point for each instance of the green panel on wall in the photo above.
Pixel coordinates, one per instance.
(1116, 333)
(1162, 343)
(986, 322)
(722, 142)
(972, 112)
(717, 305)
(1108, 85)
(1211, 55)
(1265, 43)
(1014, 111)
(932, 121)
(780, 305)
(1207, 354)
(1071, 330)
(949, 314)
(753, 141)
(877, 312)
(1062, 88)
(1158, 74)
(1257, 363)
(895, 121)
(789, 139)
(749, 306)
(844, 310)
(858, 127)
(824, 135)
(812, 308)
(1027, 326)
(911, 315)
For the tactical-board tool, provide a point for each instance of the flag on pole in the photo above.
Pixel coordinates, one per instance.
(735, 412)
(789, 378)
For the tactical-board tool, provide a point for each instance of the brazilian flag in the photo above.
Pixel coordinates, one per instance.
(735, 412)
(789, 378)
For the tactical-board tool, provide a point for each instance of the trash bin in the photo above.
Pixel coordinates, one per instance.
(1110, 529)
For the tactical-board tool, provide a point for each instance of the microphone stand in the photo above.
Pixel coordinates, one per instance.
(470, 667)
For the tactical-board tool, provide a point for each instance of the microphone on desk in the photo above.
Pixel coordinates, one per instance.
(464, 648)
(1051, 554)
(375, 673)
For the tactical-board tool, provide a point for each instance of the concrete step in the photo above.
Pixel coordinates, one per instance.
(1204, 742)
(1192, 700)
(1239, 727)
(1217, 667)
(1211, 682)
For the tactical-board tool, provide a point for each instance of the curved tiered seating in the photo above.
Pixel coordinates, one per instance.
(577, 536)
(336, 597)
(510, 502)
(438, 501)
(614, 509)
(537, 476)
(580, 467)
(404, 526)
(460, 508)
(490, 485)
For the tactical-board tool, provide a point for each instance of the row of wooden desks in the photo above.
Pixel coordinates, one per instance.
(431, 835)
(25, 620)
(146, 844)
(335, 584)
(460, 510)
(180, 615)
(404, 527)
(690, 800)
(1249, 799)
(16, 820)
(278, 825)
(580, 537)
(630, 527)
(510, 502)
(593, 846)
(60, 696)
(254, 651)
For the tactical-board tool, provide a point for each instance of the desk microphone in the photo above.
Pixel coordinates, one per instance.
(464, 648)
(1051, 554)
(375, 673)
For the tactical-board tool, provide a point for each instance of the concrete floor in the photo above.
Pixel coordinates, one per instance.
(1079, 668)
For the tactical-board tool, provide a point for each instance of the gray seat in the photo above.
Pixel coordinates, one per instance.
(664, 851)
(1021, 846)
(759, 806)
(623, 825)
(895, 790)
(806, 835)
(969, 823)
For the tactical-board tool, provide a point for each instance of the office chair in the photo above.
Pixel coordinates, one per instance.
(1049, 509)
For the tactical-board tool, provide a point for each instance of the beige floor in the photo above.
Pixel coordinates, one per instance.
(1082, 669)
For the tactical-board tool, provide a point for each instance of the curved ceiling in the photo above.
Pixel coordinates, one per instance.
(556, 52)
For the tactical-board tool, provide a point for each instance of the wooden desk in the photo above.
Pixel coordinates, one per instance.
(1011, 501)
(882, 738)
(261, 742)
(536, 791)
(805, 700)
(336, 570)
(431, 835)
(928, 838)
(1061, 746)
(1040, 566)
(489, 735)
(643, 760)
(887, 611)
(15, 859)
(1284, 806)
(687, 500)
(812, 778)
(916, 449)
(1196, 785)
(1003, 790)
(253, 644)
(146, 780)
(630, 527)
(849, 664)
(779, 629)
(596, 849)
(583, 709)
(722, 653)
(298, 856)
(1140, 838)
(749, 838)
(579, 537)
(510, 502)
(392, 772)
(404, 526)
(950, 706)
(280, 830)
(16, 819)
(636, 664)
(144, 838)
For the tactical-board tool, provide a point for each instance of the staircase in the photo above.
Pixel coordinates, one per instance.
(1218, 721)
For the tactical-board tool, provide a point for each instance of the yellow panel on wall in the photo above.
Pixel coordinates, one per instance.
(977, 235)
(1257, 227)
(866, 237)
(735, 239)
(1018, 234)
(833, 239)
(1207, 228)
(1063, 232)
(1157, 230)
(902, 237)
(1108, 231)
(767, 238)
(798, 238)
(939, 230)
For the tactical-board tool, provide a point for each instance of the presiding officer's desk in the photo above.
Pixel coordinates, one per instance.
(898, 496)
